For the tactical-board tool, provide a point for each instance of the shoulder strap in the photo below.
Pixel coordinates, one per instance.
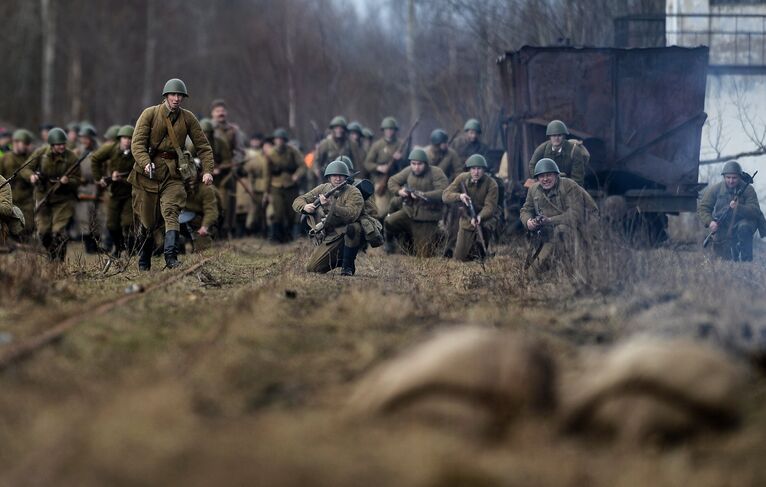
(173, 135)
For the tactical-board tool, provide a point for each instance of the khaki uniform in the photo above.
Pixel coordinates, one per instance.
(570, 210)
(23, 190)
(119, 210)
(466, 149)
(418, 219)
(572, 158)
(449, 162)
(381, 152)
(163, 196)
(734, 238)
(10, 216)
(205, 202)
(223, 174)
(341, 226)
(330, 149)
(256, 167)
(230, 133)
(484, 195)
(285, 168)
(53, 217)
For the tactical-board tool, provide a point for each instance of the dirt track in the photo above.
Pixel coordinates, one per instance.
(240, 374)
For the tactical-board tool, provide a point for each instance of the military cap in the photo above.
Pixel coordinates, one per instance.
(280, 133)
(22, 135)
(111, 132)
(338, 121)
(347, 160)
(87, 130)
(731, 167)
(355, 127)
(367, 133)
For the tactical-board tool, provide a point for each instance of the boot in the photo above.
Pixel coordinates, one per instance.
(171, 250)
(47, 241)
(116, 238)
(91, 246)
(349, 260)
(58, 247)
(145, 253)
(389, 245)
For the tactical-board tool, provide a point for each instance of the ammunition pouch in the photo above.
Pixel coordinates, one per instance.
(372, 229)
(187, 169)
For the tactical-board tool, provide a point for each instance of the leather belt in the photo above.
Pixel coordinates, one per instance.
(167, 155)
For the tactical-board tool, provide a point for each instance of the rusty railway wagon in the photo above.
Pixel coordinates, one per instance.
(639, 112)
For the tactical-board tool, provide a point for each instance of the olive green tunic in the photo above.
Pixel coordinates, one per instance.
(484, 196)
(572, 158)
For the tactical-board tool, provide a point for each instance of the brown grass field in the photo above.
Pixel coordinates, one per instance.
(242, 374)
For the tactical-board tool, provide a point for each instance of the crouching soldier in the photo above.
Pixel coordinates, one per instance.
(111, 166)
(420, 188)
(474, 189)
(339, 234)
(11, 217)
(731, 212)
(200, 220)
(557, 213)
(56, 173)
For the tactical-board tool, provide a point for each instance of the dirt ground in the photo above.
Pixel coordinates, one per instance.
(241, 373)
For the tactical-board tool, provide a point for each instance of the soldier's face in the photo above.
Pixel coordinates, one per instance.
(279, 142)
(124, 143)
(731, 180)
(476, 173)
(556, 140)
(255, 143)
(471, 135)
(338, 132)
(58, 148)
(548, 180)
(174, 100)
(353, 136)
(72, 135)
(20, 147)
(388, 134)
(417, 167)
(337, 180)
(443, 146)
(86, 141)
(219, 114)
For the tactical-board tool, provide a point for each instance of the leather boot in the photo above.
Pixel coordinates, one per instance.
(145, 252)
(349, 260)
(117, 242)
(171, 250)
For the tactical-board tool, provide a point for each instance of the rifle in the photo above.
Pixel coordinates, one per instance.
(318, 202)
(16, 173)
(413, 194)
(382, 185)
(536, 241)
(452, 139)
(108, 179)
(56, 186)
(748, 180)
(474, 216)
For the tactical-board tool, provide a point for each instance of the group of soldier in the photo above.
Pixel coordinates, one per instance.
(173, 178)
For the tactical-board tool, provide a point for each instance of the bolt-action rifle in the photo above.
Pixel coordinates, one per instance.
(56, 186)
(724, 216)
(474, 216)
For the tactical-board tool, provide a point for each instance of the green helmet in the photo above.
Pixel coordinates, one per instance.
(281, 133)
(389, 123)
(87, 130)
(439, 136)
(111, 132)
(337, 168)
(347, 161)
(367, 133)
(472, 124)
(731, 167)
(546, 165)
(174, 85)
(557, 127)
(476, 160)
(355, 127)
(338, 121)
(73, 127)
(207, 125)
(56, 136)
(125, 131)
(22, 135)
(418, 155)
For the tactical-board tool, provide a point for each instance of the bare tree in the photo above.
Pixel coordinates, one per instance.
(48, 22)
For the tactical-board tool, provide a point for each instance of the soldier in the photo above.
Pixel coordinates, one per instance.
(85, 213)
(340, 229)
(11, 218)
(383, 159)
(569, 155)
(53, 166)
(227, 131)
(201, 216)
(285, 169)
(420, 188)
(110, 136)
(371, 226)
(112, 164)
(470, 143)
(256, 168)
(23, 190)
(481, 191)
(160, 169)
(444, 157)
(72, 135)
(558, 212)
(730, 210)
(367, 138)
(336, 145)
(355, 135)
(223, 173)
(44, 129)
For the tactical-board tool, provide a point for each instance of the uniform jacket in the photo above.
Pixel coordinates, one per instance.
(203, 202)
(567, 203)
(716, 199)
(571, 159)
(282, 165)
(432, 183)
(109, 158)
(381, 152)
(51, 167)
(344, 207)
(449, 162)
(483, 194)
(22, 189)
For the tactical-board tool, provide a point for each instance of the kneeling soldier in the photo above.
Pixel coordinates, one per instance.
(339, 234)
(201, 218)
(557, 211)
(730, 210)
(420, 188)
(474, 189)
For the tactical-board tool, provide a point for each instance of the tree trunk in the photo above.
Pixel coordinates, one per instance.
(149, 91)
(48, 21)
(411, 74)
(292, 103)
(75, 84)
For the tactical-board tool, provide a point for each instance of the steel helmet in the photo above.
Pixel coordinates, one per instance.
(418, 155)
(111, 132)
(56, 136)
(476, 160)
(22, 135)
(557, 127)
(281, 133)
(731, 167)
(87, 130)
(389, 123)
(206, 125)
(174, 85)
(338, 121)
(125, 131)
(355, 127)
(347, 161)
(472, 124)
(337, 168)
(546, 165)
(439, 136)
(367, 133)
